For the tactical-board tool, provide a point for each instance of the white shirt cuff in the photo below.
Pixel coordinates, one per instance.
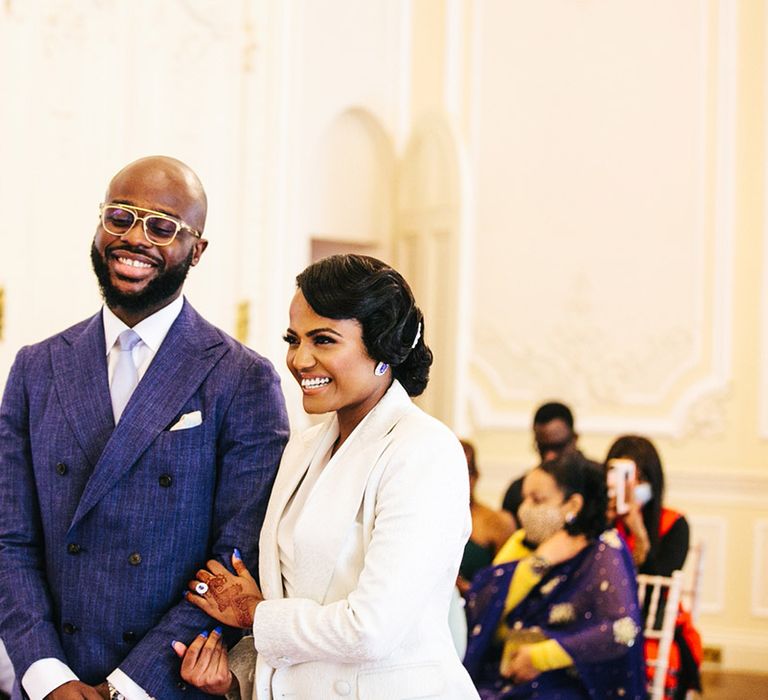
(129, 688)
(44, 676)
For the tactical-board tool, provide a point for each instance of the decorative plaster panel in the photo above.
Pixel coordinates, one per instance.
(712, 532)
(604, 250)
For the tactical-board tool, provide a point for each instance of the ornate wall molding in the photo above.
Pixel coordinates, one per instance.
(695, 361)
(712, 531)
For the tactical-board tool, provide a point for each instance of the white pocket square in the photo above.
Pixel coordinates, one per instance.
(188, 420)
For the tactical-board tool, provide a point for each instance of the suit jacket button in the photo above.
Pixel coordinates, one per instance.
(165, 480)
(129, 636)
(342, 687)
(134, 559)
(74, 548)
(69, 628)
(181, 685)
(61, 468)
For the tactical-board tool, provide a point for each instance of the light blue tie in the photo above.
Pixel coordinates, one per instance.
(126, 376)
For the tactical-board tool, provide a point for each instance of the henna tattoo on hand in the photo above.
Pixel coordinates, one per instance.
(227, 596)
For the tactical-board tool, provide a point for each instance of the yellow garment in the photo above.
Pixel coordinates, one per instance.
(513, 549)
(547, 655)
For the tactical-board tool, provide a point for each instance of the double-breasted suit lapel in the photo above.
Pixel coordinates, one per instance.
(80, 377)
(189, 352)
(334, 502)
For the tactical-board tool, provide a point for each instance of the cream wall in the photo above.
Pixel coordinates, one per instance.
(576, 190)
(618, 154)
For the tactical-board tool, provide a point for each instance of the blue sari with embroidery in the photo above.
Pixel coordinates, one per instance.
(588, 604)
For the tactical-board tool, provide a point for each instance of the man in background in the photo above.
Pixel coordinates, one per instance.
(134, 446)
(554, 436)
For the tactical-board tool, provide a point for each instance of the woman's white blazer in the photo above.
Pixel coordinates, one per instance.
(377, 549)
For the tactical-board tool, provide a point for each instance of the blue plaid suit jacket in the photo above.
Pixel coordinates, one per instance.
(102, 526)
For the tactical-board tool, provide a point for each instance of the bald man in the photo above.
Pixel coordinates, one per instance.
(133, 447)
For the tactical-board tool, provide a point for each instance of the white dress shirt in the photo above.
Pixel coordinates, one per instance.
(45, 675)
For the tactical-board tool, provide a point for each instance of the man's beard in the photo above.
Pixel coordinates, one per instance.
(159, 290)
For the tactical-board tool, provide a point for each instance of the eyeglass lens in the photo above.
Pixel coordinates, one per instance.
(118, 221)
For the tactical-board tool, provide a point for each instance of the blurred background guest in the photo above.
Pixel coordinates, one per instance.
(558, 615)
(658, 537)
(553, 436)
(490, 528)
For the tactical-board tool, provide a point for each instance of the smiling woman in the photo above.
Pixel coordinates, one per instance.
(329, 361)
(367, 521)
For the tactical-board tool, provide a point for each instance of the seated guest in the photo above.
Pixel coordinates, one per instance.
(658, 537)
(554, 436)
(490, 528)
(557, 615)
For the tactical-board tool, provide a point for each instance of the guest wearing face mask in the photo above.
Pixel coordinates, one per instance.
(557, 614)
(658, 537)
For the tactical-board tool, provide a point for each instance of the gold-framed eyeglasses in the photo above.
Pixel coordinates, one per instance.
(159, 229)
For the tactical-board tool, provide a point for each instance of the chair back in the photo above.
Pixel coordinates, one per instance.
(690, 596)
(659, 599)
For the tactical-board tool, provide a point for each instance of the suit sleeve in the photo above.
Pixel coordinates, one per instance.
(26, 610)
(250, 442)
(421, 525)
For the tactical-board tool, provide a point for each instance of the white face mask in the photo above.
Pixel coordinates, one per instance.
(540, 522)
(643, 493)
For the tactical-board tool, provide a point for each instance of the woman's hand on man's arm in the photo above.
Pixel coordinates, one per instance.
(226, 597)
(205, 663)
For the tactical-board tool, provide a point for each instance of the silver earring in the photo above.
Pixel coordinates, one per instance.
(570, 517)
(381, 368)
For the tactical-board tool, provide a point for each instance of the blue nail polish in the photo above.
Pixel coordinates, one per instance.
(204, 633)
(173, 642)
(218, 631)
(237, 554)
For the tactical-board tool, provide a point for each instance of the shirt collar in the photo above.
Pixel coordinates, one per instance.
(152, 330)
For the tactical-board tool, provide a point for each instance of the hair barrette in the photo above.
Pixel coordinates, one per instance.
(418, 335)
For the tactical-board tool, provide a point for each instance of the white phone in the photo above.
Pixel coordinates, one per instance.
(620, 473)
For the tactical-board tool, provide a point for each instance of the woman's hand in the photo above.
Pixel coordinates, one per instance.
(205, 663)
(519, 667)
(633, 520)
(229, 598)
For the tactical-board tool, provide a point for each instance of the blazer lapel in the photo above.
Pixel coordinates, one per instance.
(296, 459)
(333, 505)
(80, 376)
(188, 353)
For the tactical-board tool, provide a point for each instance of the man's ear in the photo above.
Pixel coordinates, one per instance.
(200, 246)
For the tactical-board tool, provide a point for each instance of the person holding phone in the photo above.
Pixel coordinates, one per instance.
(658, 537)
